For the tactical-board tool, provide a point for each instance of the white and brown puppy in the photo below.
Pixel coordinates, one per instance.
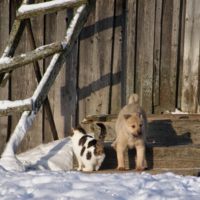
(131, 128)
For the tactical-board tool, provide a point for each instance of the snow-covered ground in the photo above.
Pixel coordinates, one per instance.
(48, 176)
(76, 185)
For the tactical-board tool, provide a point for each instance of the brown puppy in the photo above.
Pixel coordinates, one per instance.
(131, 128)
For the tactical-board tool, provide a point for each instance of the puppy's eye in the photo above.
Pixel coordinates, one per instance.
(140, 125)
(133, 126)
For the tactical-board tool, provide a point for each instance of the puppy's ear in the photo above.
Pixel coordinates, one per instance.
(127, 116)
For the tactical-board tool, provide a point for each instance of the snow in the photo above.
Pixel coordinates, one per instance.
(53, 156)
(177, 111)
(61, 185)
(5, 60)
(32, 7)
(48, 175)
(6, 104)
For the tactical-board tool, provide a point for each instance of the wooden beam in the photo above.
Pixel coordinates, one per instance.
(15, 35)
(7, 64)
(11, 107)
(14, 38)
(28, 11)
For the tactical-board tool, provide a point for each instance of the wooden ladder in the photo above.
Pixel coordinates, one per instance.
(59, 50)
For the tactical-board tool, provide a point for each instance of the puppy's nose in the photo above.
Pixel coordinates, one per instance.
(139, 133)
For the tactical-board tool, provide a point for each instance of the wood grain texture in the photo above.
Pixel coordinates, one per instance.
(102, 55)
(4, 32)
(67, 82)
(95, 63)
(86, 66)
(189, 100)
(25, 78)
(116, 62)
(144, 54)
(169, 56)
(181, 53)
(128, 50)
(50, 35)
(157, 52)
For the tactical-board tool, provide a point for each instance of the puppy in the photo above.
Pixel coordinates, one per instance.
(131, 129)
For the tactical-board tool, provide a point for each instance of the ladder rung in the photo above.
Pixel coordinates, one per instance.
(11, 107)
(7, 64)
(32, 10)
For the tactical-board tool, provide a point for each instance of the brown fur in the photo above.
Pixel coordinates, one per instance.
(131, 129)
(99, 149)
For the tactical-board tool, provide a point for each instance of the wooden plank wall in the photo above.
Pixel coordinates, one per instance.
(4, 33)
(150, 47)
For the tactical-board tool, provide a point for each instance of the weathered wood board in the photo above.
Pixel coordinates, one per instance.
(102, 55)
(116, 60)
(51, 35)
(144, 53)
(157, 52)
(179, 156)
(164, 129)
(4, 94)
(190, 78)
(169, 55)
(67, 95)
(129, 16)
(85, 68)
(25, 78)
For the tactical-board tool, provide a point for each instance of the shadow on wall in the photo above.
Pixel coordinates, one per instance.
(71, 93)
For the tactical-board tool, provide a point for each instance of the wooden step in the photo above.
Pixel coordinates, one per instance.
(173, 144)
(184, 172)
(162, 128)
(157, 156)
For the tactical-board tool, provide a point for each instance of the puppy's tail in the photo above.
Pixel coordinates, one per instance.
(100, 141)
(133, 99)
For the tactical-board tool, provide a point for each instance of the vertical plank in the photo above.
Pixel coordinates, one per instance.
(181, 52)
(67, 94)
(102, 55)
(4, 33)
(24, 83)
(128, 50)
(62, 94)
(189, 100)
(115, 103)
(50, 34)
(157, 52)
(169, 55)
(86, 66)
(175, 48)
(144, 54)
(95, 61)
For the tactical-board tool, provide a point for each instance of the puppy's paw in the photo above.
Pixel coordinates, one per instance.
(140, 168)
(120, 168)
